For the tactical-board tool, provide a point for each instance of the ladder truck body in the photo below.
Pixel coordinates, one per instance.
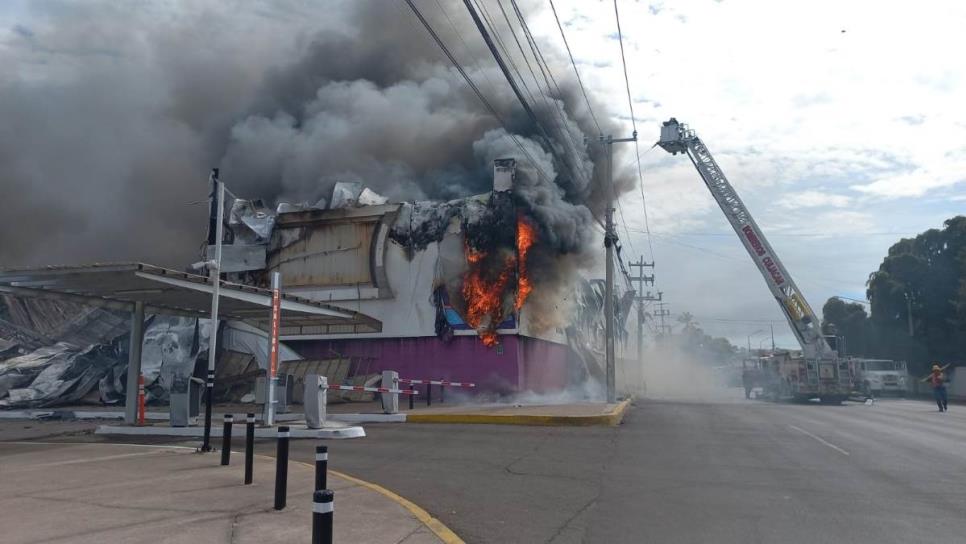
(820, 372)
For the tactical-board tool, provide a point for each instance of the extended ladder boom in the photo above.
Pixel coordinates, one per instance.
(677, 138)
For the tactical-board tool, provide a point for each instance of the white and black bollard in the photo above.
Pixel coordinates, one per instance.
(281, 468)
(322, 503)
(226, 440)
(321, 467)
(249, 448)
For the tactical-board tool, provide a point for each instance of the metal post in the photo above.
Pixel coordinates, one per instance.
(909, 314)
(249, 447)
(272, 370)
(214, 272)
(226, 440)
(322, 502)
(134, 364)
(442, 393)
(772, 328)
(321, 467)
(429, 394)
(412, 400)
(281, 468)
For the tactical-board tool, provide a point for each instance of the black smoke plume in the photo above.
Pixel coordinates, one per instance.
(113, 113)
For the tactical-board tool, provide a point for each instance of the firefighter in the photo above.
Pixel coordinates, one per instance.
(938, 381)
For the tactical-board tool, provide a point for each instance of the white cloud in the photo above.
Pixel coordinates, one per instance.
(826, 135)
(814, 199)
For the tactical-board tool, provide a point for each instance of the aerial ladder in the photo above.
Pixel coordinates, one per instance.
(820, 372)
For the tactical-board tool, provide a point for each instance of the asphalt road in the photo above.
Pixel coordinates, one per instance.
(727, 471)
(730, 471)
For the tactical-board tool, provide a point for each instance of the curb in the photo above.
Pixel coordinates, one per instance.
(196, 431)
(436, 526)
(612, 418)
(443, 532)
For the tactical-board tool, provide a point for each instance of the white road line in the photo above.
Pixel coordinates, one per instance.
(820, 439)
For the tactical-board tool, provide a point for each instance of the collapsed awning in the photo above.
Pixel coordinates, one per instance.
(120, 286)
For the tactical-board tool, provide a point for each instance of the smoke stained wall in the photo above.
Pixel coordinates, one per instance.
(114, 113)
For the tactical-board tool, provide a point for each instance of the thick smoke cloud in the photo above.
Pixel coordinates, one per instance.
(114, 113)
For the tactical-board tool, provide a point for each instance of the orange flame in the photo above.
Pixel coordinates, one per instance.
(526, 236)
(484, 287)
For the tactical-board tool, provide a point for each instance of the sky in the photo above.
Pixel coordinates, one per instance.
(841, 124)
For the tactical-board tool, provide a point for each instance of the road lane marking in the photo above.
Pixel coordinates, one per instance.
(820, 439)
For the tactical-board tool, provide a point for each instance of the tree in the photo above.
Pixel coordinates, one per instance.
(848, 319)
(922, 279)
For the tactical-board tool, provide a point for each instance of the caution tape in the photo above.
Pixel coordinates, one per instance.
(373, 389)
(436, 382)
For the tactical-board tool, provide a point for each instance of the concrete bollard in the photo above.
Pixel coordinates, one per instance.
(390, 401)
(322, 510)
(281, 468)
(321, 467)
(314, 400)
(226, 440)
(249, 447)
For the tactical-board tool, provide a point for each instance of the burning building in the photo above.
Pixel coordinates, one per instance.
(452, 284)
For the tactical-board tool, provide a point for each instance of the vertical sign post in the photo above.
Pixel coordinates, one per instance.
(273, 348)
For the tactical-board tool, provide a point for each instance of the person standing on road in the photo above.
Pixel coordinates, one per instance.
(938, 381)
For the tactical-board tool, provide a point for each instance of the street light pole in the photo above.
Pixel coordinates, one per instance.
(214, 271)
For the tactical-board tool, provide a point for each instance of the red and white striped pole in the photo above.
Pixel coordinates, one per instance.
(273, 348)
(141, 399)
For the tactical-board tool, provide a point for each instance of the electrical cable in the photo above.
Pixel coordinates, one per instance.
(637, 150)
(580, 82)
(475, 89)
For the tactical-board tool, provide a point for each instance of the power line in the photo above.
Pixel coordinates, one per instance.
(627, 81)
(476, 89)
(580, 82)
(637, 150)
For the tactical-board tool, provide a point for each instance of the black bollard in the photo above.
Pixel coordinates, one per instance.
(442, 393)
(412, 400)
(321, 467)
(249, 447)
(429, 394)
(281, 468)
(226, 440)
(322, 503)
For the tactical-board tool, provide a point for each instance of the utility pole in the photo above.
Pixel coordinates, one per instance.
(215, 236)
(610, 238)
(663, 313)
(909, 313)
(642, 279)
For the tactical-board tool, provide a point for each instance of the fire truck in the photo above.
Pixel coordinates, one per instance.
(819, 372)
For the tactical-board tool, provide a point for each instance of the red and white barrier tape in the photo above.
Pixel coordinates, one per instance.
(436, 382)
(374, 389)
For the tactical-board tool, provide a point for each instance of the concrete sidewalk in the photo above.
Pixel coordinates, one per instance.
(127, 493)
(575, 414)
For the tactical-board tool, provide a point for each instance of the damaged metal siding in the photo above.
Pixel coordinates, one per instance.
(332, 248)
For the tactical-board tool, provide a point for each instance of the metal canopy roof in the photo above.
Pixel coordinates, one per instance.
(162, 291)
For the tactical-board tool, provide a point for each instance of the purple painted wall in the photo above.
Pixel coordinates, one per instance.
(522, 364)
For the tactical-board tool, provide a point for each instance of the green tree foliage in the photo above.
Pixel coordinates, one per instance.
(925, 274)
